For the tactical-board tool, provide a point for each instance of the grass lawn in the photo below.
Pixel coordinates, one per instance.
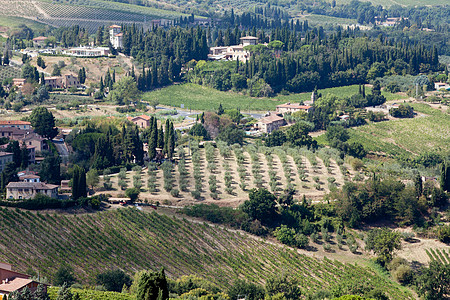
(198, 97)
(15, 22)
(406, 136)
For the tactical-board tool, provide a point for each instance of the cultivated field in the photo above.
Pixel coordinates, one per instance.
(87, 13)
(199, 97)
(405, 136)
(225, 174)
(133, 240)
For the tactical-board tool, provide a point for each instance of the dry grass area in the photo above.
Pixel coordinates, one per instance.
(314, 176)
(95, 67)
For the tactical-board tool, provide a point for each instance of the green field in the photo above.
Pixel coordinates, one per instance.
(14, 22)
(133, 240)
(198, 97)
(407, 136)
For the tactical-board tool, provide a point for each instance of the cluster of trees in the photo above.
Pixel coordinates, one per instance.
(337, 137)
(387, 199)
(159, 138)
(178, 43)
(223, 126)
(104, 146)
(319, 61)
(296, 135)
(402, 111)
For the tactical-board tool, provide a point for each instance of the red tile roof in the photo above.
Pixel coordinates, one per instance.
(114, 26)
(271, 119)
(294, 106)
(40, 38)
(14, 285)
(14, 122)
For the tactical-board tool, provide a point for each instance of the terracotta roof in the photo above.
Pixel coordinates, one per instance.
(5, 153)
(272, 118)
(294, 105)
(114, 26)
(29, 176)
(119, 34)
(14, 122)
(14, 285)
(249, 38)
(40, 38)
(32, 185)
(145, 117)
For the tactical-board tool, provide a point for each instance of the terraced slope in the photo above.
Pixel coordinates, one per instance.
(134, 240)
(87, 13)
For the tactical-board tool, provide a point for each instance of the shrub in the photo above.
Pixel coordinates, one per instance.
(403, 274)
(175, 193)
(196, 194)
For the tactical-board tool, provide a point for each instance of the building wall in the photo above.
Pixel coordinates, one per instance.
(27, 193)
(141, 123)
(4, 160)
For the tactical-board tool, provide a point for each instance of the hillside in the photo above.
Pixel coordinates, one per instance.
(429, 131)
(134, 240)
(312, 174)
(86, 13)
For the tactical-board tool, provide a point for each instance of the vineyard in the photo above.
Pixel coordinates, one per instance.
(226, 173)
(440, 255)
(133, 240)
(89, 13)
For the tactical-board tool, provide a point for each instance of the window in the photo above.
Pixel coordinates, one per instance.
(20, 197)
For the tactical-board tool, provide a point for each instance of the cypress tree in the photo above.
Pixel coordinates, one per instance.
(418, 185)
(161, 137)
(153, 140)
(445, 176)
(171, 141)
(75, 182)
(166, 137)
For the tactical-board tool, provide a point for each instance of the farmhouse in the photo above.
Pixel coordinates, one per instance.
(270, 123)
(248, 40)
(11, 281)
(19, 82)
(293, 107)
(116, 36)
(441, 85)
(5, 158)
(235, 52)
(141, 121)
(39, 41)
(15, 124)
(62, 82)
(87, 51)
(27, 190)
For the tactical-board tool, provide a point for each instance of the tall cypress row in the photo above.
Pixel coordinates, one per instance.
(166, 137)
